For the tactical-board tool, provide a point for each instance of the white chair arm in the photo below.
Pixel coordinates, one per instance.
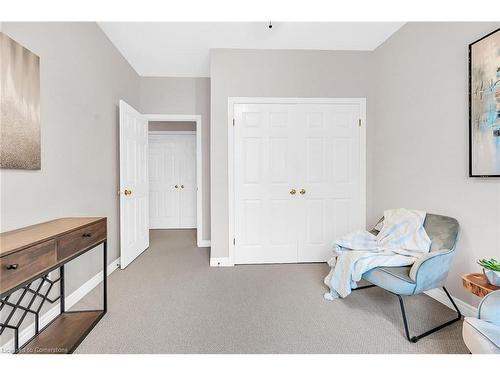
(489, 308)
(480, 336)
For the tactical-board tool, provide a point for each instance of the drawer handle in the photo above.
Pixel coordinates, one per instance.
(12, 266)
(87, 235)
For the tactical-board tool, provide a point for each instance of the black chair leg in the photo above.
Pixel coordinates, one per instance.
(405, 322)
(416, 338)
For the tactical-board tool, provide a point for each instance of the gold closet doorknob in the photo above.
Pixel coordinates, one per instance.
(176, 186)
(293, 191)
(302, 191)
(127, 192)
(182, 186)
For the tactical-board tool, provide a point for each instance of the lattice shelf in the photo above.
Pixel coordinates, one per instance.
(29, 301)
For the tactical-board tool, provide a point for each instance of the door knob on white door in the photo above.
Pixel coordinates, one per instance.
(182, 186)
(293, 191)
(302, 191)
(176, 186)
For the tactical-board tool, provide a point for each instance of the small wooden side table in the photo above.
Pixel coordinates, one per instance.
(478, 284)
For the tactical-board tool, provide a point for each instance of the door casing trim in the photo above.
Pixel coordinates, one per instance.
(199, 164)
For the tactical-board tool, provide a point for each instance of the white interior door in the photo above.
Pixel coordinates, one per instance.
(163, 182)
(328, 171)
(187, 178)
(172, 180)
(311, 148)
(265, 175)
(134, 190)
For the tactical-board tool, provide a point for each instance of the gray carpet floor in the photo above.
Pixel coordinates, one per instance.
(170, 301)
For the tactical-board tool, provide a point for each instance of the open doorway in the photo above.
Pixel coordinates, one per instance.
(175, 159)
(134, 189)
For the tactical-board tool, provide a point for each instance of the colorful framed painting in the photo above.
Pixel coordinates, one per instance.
(484, 106)
(20, 106)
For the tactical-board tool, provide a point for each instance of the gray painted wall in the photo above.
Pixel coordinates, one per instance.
(421, 138)
(172, 126)
(183, 96)
(83, 77)
(417, 127)
(279, 73)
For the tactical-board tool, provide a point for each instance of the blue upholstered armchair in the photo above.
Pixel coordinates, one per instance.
(482, 334)
(427, 273)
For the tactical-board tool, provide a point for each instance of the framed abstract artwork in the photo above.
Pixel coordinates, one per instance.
(20, 106)
(484, 106)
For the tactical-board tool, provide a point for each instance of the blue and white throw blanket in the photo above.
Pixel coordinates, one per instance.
(400, 242)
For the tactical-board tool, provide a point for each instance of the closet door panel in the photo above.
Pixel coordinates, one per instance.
(264, 152)
(163, 176)
(329, 175)
(310, 149)
(187, 179)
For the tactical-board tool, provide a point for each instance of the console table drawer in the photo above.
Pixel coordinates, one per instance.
(72, 243)
(23, 265)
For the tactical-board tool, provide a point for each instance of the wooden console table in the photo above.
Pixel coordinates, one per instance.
(27, 256)
(478, 284)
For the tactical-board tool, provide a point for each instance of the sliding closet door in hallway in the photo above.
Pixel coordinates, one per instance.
(172, 180)
(297, 180)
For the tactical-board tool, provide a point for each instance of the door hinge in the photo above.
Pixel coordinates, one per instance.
(359, 122)
(233, 121)
(234, 241)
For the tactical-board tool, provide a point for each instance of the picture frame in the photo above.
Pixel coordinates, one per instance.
(20, 135)
(484, 106)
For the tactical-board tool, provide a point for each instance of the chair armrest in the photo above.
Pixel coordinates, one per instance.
(426, 258)
(431, 270)
(489, 308)
(481, 337)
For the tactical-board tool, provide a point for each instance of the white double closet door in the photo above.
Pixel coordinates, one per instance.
(172, 181)
(297, 180)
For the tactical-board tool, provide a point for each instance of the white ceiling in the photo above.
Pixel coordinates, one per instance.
(182, 49)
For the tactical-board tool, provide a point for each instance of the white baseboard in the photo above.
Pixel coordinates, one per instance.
(440, 296)
(28, 332)
(221, 262)
(82, 291)
(203, 243)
